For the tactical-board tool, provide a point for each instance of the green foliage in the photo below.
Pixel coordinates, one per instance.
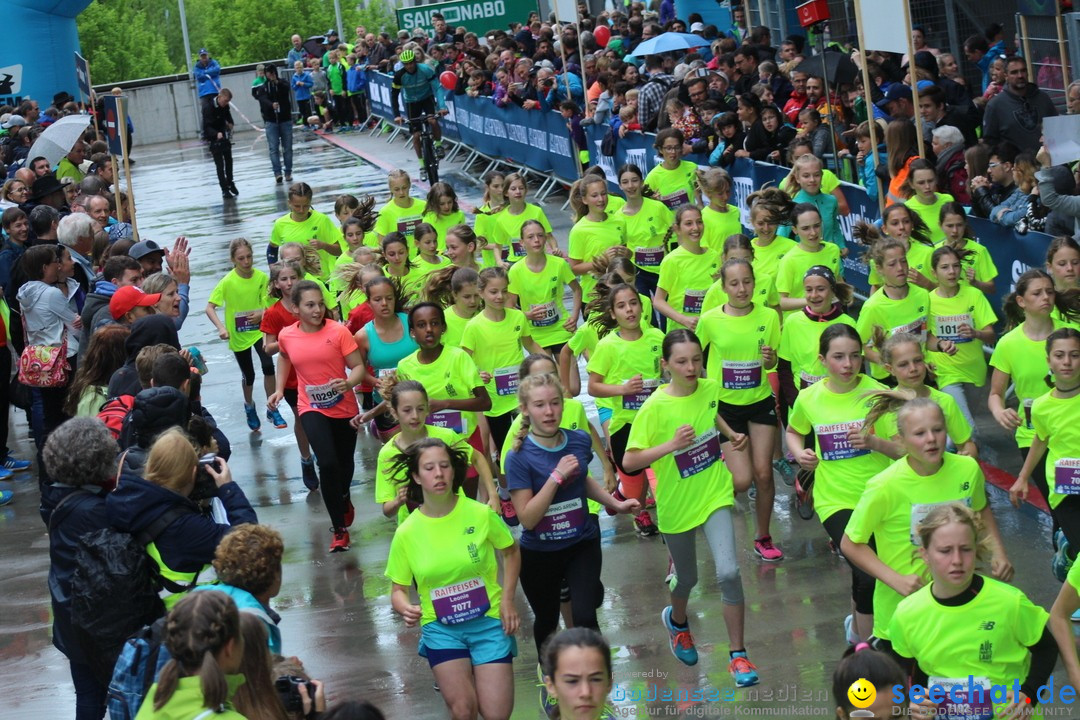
(132, 39)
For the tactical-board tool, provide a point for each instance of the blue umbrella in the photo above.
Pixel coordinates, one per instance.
(668, 42)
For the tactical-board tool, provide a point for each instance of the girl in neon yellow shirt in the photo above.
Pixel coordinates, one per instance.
(896, 499)
(402, 213)
(624, 370)
(925, 200)
(594, 230)
(305, 226)
(509, 222)
(903, 358)
(901, 223)
(1063, 264)
(968, 629)
(427, 260)
(538, 285)
(1019, 356)
(447, 548)
(395, 252)
(739, 247)
(674, 181)
(308, 259)
(1057, 435)
(721, 219)
(811, 250)
(769, 248)
(243, 292)
(842, 456)
(742, 337)
(687, 273)
(460, 249)
(441, 211)
(495, 338)
(457, 290)
(647, 221)
(409, 405)
(961, 313)
(678, 432)
(493, 202)
(979, 269)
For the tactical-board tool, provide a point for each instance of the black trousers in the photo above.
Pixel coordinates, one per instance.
(543, 575)
(222, 152)
(334, 444)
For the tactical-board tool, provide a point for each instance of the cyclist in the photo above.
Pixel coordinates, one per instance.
(420, 85)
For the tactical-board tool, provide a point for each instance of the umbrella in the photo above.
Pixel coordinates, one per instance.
(59, 138)
(315, 45)
(668, 42)
(835, 67)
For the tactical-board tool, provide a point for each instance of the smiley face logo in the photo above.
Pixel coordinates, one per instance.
(862, 693)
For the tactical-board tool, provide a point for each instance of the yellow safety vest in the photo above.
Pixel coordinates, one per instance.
(186, 580)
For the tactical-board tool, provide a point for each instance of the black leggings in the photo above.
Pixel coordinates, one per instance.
(618, 442)
(334, 443)
(543, 574)
(247, 368)
(221, 150)
(499, 426)
(862, 583)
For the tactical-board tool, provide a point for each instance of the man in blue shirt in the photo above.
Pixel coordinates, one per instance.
(207, 80)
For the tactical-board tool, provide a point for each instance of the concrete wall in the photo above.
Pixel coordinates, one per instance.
(166, 109)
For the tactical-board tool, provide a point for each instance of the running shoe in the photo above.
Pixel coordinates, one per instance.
(307, 468)
(440, 151)
(5, 474)
(548, 703)
(350, 514)
(765, 549)
(278, 179)
(1060, 562)
(252, 417)
(274, 416)
(1076, 616)
(751, 492)
(682, 642)
(787, 473)
(6, 496)
(743, 670)
(288, 177)
(15, 465)
(509, 513)
(804, 497)
(340, 542)
(619, 497)
(644, 525)
(650, 502)
(850, 635)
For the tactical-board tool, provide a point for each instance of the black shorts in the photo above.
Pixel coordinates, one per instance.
(420, 107)
(763, 412)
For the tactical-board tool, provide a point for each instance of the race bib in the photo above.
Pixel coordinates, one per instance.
(517, 249)
(322, 397)
(450, 419)
(808, 379)
(916, 328)
(676, 199)
(407, 226)
(741, 374)
(635, 401)
(969, 703)
(700, 456)
(506, 380)
(648, 256)
(384, 372)
(460, 602)
(919, 511)
(948, 327)
(550, 316)
(562, 521)
(246, 321)
(833, 441)
(1067, 476)
(692, 301)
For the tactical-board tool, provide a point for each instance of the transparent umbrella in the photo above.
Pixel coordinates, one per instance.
(59, 138)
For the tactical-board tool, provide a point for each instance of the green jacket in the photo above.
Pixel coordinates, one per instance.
(186, 702)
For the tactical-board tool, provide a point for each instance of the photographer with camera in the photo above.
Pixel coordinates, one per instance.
(265, 694)
(185, 549)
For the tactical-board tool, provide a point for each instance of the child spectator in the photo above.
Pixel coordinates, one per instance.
(572, 114)
(816, 131)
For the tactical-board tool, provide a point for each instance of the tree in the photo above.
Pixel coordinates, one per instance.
(120, 42)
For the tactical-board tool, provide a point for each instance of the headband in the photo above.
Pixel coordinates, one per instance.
(822, 271)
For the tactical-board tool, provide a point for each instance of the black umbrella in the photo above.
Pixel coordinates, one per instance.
(315, 45)
(835, 67)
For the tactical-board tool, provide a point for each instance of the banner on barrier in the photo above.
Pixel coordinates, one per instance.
(478, 16)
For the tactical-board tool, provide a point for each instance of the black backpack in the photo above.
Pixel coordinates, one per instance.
(110, 566)
(609, 143)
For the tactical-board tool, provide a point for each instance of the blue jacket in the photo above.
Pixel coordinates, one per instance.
(356, 79)
(207, 78)
(301, 85)
(189, 542)
(996, 50)
(1015, 206)
(246, 602)
(10, 255)
(551, 99)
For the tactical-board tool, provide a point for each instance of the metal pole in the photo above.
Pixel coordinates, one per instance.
(871, 122)
(1026, 44)
(914, 80)
(1062, 50)
(337, 14)
(954, 34)
(190, 65)
(828, 102)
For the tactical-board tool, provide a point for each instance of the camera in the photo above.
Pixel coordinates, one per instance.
(205, 487)
(547, 82)
(288, 689)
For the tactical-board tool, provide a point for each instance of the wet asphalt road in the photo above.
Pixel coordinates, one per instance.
(335, 609)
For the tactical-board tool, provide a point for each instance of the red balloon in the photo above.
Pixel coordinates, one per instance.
(448, 80)
(602, 35)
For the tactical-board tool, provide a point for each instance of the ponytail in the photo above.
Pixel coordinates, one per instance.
(885, 402)
(599, 310)
(196, 631)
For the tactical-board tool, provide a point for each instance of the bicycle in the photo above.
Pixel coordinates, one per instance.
(430, 167)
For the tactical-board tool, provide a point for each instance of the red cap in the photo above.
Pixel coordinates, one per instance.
(128, 297)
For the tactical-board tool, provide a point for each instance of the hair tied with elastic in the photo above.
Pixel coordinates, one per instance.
(862, 646)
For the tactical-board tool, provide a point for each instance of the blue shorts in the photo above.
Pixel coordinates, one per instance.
(482, 641)
(605, 413)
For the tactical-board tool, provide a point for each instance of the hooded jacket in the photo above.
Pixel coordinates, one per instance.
(46, 313)
(1017, 118)
(156, 410)
(149, 330)
(189, 542)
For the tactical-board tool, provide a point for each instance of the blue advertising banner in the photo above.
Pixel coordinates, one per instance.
(541, 142)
